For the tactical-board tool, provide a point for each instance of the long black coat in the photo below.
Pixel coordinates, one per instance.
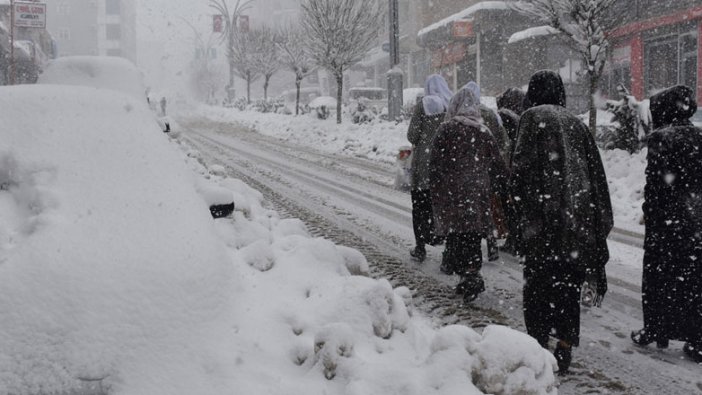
(466, 168)
(420, 134)
(672, 274)
(559, 189)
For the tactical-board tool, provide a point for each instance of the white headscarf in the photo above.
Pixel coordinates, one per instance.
(436, 95)
(465, 108)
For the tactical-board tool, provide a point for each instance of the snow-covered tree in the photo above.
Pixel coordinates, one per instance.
(245, 59)
(339, 33)
(582, 23)
(294, 57)
(266, 55)
(229, 31)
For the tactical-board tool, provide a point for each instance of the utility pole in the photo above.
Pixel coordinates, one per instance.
(12, 43)
(395, 73)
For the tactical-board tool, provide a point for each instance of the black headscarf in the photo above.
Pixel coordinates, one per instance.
(674, 106)
(545, 87)
(513, 100)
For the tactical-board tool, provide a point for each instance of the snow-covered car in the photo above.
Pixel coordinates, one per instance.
(100, 72)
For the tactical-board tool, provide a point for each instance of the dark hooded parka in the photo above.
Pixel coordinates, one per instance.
(672, 272)
(510, 106)
(564, 214)
(465, 169)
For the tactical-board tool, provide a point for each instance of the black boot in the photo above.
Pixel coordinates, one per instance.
(693, 352)
(564, 355)
(644, 337)
(493, 252)
(419, 253)
(448, 263)
(471, 285)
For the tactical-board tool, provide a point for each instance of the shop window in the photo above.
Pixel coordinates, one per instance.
(113, 31)
(112, 7)
(670, 61)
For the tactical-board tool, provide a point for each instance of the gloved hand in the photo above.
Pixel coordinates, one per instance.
(601, 277)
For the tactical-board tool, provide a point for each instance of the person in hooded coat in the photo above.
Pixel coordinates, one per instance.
(427, 117)
(465, 168)
(492, 120)
(561, 198)
(510, 106)
(672, 266)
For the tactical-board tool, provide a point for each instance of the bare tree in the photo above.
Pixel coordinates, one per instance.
(230, 30)
(266, 55)
(205, 76)
(294, 57)
(339, 33)
(245, 59)
(582, 24)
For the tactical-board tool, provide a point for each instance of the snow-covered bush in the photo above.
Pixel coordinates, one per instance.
(630, 123)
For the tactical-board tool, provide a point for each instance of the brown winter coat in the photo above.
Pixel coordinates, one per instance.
(465, 169)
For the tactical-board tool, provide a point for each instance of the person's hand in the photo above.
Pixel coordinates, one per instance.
(601, 278)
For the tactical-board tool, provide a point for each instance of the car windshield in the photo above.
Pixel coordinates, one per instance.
(350, 197)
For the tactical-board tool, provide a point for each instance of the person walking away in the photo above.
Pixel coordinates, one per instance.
(163, 106)
(560, 195)
(510, 106)
(427, 116)
(494, 123)
(464, 169)
(672, 263)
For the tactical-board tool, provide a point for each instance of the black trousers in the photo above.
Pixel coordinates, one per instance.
(422, 217)
(552, 299)
(463, 249)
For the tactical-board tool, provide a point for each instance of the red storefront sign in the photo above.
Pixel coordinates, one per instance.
(452, 53)
(462, 29)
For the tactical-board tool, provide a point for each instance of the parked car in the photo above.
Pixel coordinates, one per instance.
(373, 97)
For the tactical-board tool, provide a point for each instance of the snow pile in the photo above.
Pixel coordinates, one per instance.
(98, 72)
(626, 175)
(113, 272)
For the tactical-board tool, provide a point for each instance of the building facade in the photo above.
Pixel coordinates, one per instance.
(94, 27)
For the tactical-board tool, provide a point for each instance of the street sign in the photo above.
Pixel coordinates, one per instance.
(30, 15)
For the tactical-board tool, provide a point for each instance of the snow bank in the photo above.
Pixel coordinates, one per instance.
(113, 272)
(101, 72)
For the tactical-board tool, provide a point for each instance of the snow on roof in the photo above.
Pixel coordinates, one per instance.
(482, 6)
(531, 32)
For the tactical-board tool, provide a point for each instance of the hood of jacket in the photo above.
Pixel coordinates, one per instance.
(464, 108)
(545, 87)
(436, 95)
(512, 99)
(674, 106)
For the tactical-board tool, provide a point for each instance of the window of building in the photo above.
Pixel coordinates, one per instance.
(63, 8)
(64, 34)
(113, 31)
(114, 52)
(671, 60)
(112, 7)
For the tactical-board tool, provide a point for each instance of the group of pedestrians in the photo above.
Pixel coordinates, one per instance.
(531, 172)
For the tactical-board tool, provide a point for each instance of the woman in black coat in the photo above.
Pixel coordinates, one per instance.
(561, 199)
(428, 115)
(672, 267)
(465, 170)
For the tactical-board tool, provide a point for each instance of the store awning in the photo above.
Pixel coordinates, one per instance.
(458, 25)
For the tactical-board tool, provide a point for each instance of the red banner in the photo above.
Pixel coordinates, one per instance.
(217, 23)
(462, 29)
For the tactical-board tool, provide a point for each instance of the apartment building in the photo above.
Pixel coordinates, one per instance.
(94, 27)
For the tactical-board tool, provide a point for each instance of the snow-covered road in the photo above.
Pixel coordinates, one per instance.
(351, 201)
